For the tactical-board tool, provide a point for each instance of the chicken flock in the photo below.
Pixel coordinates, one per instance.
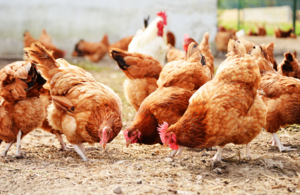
(180, 104)
(224, 35)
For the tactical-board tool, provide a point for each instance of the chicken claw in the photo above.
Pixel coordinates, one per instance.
(7, 147)
(176, 152)
(279, 145)
(63, 146)
(272, 142)
(218, 155)
(80, 152)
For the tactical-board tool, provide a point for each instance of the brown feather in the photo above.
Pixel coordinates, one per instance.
(43, 58)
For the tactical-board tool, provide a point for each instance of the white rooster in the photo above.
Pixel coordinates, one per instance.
(153, 40)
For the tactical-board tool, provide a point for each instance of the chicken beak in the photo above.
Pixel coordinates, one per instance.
(128, 143)
(165, 145)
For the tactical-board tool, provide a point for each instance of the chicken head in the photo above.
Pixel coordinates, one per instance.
(131, 137)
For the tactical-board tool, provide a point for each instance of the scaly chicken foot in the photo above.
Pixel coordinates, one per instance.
(176, 152)
(82, 148)
(80, 152)
(279, 145)
(7, 147)
(172, 154)
(19, 153)
(218, 155)
(248, 151)
(272, 142)
(179, 151)
(63, 146)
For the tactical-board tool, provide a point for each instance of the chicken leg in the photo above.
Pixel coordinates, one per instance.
(63, 146)
(7, 147)
(19, 153)
(248, 151)
(279, 145)
(218, 155)
(82, 148)
(80, 152)
(272, 142)
(176, 152)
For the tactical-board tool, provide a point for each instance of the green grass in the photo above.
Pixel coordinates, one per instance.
(89, 66)
(269, 27)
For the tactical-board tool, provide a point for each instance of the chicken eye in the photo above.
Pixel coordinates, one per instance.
(195, 46)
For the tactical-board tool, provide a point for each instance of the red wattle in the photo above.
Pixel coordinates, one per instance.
(185, 47)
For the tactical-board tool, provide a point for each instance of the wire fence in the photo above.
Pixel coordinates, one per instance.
(246, 14)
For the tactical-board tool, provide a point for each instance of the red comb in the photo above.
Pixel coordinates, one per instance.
(125, 133)
(163, 15)
(162, 131)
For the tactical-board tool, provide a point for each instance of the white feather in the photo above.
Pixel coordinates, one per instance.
(240, 33)
(148, 42)
(28, 66)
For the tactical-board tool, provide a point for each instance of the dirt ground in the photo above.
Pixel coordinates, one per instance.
(141, 169)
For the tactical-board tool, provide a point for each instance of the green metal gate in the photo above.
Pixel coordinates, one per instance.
(242, 5)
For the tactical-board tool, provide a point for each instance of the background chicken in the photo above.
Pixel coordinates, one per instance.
(284, 34)
(171, 38)
(121, 44)
(259, 31)
(142, 72)
(177, 82)
(289, 66)
(82, 109)
(91, 51)
(45, 38)
(174, 54)
(153, 40)
(224, 110)
(28, 40)
(280, 94)
(222, 39)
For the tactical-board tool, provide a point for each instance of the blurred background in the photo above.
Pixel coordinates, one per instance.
(245, 14)
(69, 21)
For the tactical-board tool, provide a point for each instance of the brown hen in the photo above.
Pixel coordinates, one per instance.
(280, 94)
(142, 72)
(225, 110)
(177, 83)
(91, 51)
(82, 109)
(28, 40)
(23, 104)
(121, 44)
(289, 66)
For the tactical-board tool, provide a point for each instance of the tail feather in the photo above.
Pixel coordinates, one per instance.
(295, 53)
(205, 50)
(44, 59)
(205, 41)
(119, 55)
(105, 40)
